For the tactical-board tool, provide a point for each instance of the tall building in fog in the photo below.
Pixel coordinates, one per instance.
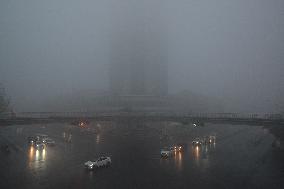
(138, 50)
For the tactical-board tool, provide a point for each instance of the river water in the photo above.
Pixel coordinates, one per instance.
(241, 157)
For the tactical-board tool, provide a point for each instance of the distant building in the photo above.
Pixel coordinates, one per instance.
(138, 55)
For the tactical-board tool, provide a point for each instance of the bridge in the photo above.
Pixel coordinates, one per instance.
(237, 118)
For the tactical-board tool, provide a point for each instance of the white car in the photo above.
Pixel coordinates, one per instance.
(167, 152)
(101, 162)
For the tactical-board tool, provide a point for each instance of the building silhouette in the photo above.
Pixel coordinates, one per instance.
(138, 52)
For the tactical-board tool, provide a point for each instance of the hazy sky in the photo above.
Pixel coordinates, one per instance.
(230, 49)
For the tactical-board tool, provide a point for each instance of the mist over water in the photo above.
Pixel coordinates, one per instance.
(227, 51)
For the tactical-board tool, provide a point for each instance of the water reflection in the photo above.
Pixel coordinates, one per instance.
(98, 138)
(91, 174)
(31, 153)
(36, 158)
(67, 136)
(43, 154)
(37, 155)
(98, 128)
(203, 152)
(19, 131)
(175, 158)
(201, 155)
(164, 161)
(196, 152)
(178, 159)
(206, 149)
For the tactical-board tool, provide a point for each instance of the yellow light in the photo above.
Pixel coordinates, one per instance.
(197, 152)
(179, 156)
(37, 154)
(43, 154)
(31, 152)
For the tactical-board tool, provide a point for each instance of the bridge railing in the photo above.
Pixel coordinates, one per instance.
(46, 115)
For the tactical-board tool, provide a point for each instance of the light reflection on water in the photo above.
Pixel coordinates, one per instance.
(37, 155)
(43, 154)
(178, 160)
(196, 152)
(36, 158)
(98, 138)
(31, 154)
(67, 136)
(201, 155)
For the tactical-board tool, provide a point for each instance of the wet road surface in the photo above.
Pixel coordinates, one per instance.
(242, 157)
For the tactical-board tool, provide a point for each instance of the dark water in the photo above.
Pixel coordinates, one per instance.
(242, 157)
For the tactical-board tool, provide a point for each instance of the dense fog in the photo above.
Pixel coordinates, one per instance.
(229, 52)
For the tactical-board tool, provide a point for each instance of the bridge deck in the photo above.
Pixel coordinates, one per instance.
(34, 117)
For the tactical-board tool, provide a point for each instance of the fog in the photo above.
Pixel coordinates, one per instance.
(226, 49)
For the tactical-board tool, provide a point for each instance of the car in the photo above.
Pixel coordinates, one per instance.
(198, 124)
(32, 139)
(180, 147)
(168, 151)
(210, 139)
(165, 153)
(176, 148)
(100, 162)
(197, 142)
(39, 145)
(41, 137)
(80, 123)
(37, 138)
(49, 141)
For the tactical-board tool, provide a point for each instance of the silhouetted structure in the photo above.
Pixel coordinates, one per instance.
(138, 62)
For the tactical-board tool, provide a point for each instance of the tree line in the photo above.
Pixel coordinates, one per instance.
(4, 100)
